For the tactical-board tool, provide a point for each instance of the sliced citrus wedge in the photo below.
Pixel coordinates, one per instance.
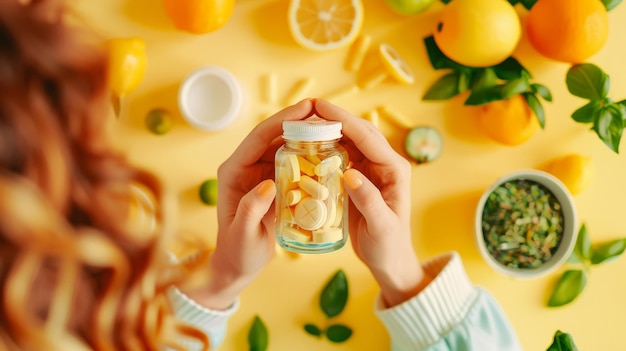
(325, 24)
(395, 64)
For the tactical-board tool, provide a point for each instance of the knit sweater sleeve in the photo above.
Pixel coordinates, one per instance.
(449, 314)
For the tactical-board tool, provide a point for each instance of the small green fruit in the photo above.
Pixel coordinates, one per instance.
(423, 144)
(208, 192)
(159, 121)
(409, 7)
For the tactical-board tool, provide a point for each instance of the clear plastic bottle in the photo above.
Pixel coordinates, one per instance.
(311, 203)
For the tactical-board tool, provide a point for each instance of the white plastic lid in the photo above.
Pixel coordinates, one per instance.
(312, 130)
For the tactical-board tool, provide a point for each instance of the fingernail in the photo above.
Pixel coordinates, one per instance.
(267, 189)
(353, 179)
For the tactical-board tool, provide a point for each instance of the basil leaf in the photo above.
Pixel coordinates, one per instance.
(444, 88)
(583, 244)
(258, 338)
(535, 105)
(586, 114)
(510, 69)
(562, 342)
(569, 286)
(338, 333)
(485, 77)
(587, 81)
(485, 95)
(334, 295)
(515, 87)
(542, 90)
(312, 329)
(437, 58)
(608, 251)
(609, 127)
(611, 4)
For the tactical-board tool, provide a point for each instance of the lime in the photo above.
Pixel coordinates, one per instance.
(423, 144)
(208, 192)
(159, 121)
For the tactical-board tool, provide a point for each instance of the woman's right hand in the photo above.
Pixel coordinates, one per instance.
(379, 188)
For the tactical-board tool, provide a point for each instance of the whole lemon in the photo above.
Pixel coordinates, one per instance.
(574, 170)
(478, 33)
(199, 16)
(510, 122)
(567, 30)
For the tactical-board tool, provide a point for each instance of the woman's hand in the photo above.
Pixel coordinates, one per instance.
(380, 192)
(245, 211)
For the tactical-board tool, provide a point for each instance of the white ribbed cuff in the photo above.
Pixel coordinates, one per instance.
(435, 311)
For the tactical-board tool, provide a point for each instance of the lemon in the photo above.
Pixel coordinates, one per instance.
(325, 25)
(510, 122)
(208, 191)
(574, 170)
(159, 121)
(478, 33)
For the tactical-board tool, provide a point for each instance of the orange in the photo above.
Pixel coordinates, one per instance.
(199, 16)
(509, 122)
(574, 170)
(478, 33)
(567, 30)
(325, 25)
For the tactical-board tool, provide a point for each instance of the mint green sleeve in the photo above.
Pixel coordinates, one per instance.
(450, 314)
(211, 322)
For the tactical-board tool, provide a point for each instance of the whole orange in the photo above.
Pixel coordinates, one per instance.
(199, 16)
(509, 122)
(567, 30)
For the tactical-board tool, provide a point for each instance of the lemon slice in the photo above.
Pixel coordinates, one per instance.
(395, 64)
(325, 25)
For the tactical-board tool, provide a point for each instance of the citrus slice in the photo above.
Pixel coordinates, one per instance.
(395, 64)
(325, 25)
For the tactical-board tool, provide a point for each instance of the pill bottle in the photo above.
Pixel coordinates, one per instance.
(311, 203)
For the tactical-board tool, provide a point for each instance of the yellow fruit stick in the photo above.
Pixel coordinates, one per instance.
(343, 92)
(395, 117)
(373, 78)
(373, 117)
(357, 51)
(269, 87)
(299, 91)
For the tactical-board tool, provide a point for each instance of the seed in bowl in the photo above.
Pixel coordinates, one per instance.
(522, 224)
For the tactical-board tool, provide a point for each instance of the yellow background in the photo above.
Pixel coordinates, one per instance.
(255, 42)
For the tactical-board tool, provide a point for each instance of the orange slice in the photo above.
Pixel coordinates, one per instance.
(395, 64)
(325, 25)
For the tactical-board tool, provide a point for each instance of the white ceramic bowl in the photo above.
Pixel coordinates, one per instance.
(210, 98)
(570, 224)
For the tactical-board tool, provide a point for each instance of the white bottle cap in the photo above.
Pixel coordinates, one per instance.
(312, 130)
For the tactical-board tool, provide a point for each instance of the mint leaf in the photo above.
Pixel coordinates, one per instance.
(437, 58)
(258, 338)
(562, 342)
(583, 244)
(334, 295)
(587, 113)
(611, 4)
(510, 69)
(587, 81)
(444, 88)
(608, 251)
(338, 333)
(609, 127)
(542, 91)
(569, 286)
(537, 108)
(313, 329)
(484, 95)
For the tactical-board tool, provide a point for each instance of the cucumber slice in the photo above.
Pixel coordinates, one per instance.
(423, 144)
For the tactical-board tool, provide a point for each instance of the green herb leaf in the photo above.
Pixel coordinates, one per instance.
(535, 105)
(464, 81)
(334, 295)
(569, 286)
(338, 333)
(485, 95)
(611, 4)
(608, 251)
(609, 126)
(515, 87)
(258, 338)
(485, 77)
(587, 81)
(528, 4)
(562, 342)
(510, 69)
(542, 91)
(444, 88)
(583, 244)
(437, 58)
(587, 113)
(312, 329)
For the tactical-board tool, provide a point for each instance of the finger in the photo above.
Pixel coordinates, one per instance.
(261, 137)
(253, 207)
(366, 198)
(365, 136)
